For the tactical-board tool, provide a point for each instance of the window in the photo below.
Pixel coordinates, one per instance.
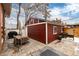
(61, 29)
(31, 21)
(54, 29)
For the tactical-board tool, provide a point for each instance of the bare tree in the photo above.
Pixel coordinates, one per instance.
(18, 21)
(30, 9)
(46, 12)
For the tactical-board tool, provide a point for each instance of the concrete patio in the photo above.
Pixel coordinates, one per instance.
(66, 47)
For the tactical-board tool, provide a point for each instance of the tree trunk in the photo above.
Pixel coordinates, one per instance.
(18, 22)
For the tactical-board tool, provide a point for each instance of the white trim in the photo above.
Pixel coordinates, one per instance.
(36, 23)
(62, 30)
(38, 20)
(54, 31)
(26, 30)
(29, 22)
(33, 21)
(39, 23)
(46, 33)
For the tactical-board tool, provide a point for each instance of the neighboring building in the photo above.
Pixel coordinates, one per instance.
(4, 11)
(43, 31)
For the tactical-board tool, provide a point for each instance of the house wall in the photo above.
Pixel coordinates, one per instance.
(51, 35)
(7, 8)
(1, 25)
(37, 32)
(33, 21)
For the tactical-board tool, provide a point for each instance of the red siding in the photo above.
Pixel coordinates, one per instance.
(37, 32)
(51, 36)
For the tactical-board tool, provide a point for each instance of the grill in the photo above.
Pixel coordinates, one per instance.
(11, 34)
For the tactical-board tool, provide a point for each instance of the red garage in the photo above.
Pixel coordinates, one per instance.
(43, 31)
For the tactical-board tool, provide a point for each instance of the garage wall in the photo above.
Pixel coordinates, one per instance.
(37, 32)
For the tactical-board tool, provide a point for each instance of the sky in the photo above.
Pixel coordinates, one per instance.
(11, 22)
(67, 12)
